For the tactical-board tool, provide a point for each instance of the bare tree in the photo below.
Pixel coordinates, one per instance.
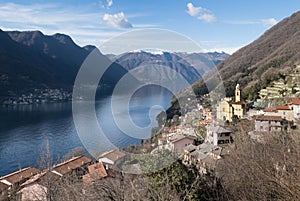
(263, 171)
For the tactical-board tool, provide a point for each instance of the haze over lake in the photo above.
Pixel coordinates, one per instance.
(24, 129)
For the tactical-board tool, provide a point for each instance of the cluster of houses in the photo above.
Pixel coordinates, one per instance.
(278, 118)
(184, 139)
(195, 148)
(32, 184)
(204, 152)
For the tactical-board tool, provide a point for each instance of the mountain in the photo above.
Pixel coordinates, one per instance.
(264, 60)
(162, 66)
(31, 60)
(204, 62)
(149, 64)
(65, 55)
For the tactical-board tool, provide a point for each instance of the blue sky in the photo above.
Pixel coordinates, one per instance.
(217, 25)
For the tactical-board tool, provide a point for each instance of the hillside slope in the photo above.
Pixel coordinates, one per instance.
(262, 61)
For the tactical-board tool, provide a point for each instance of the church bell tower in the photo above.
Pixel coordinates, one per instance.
(237, 93)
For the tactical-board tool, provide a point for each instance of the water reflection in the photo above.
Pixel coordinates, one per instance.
(24, 129)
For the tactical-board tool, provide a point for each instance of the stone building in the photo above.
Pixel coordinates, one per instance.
(268, 123)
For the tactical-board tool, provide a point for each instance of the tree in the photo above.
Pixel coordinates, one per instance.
(263, 171)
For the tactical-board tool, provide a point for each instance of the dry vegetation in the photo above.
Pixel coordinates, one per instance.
(277, 48)
(263, 171)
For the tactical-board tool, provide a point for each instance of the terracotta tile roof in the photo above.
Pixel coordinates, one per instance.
(268, 118)
(49, 176)
(42, 178)
(270, 110)
(72, 164)
(283, 107)
(240, 103)
(295, 101)
(97, 168)
(20, 175)
(3, 187)
(113, 155)
(96, 171)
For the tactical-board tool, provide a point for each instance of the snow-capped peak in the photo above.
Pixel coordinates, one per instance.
(154, 51)
(149, 50)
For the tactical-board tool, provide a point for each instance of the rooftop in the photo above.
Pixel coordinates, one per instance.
(283, 107)
(183, 137)
(3, 186)
(240, 103)
(268, 118)
(96, 171)
(199, 155)
(113, 155)
(42, 178)
(218, 129)
(190, 148)
(72, 164)
(295, 101)
(270, 110)
(19, 176)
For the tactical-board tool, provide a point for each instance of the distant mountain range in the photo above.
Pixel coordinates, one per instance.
(190, 65)
(31, 60)
(262, 61)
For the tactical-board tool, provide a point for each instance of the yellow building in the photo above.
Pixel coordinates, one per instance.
(227, 108)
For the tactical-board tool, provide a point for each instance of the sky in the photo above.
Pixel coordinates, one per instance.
(216, 25)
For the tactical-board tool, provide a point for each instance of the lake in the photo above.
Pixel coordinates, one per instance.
(24, 129)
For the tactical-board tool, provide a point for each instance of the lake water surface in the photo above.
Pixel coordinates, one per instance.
(24, 129)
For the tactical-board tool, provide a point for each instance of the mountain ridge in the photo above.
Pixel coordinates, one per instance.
(261, 61)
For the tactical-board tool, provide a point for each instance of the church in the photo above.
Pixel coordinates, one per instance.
(228, 108)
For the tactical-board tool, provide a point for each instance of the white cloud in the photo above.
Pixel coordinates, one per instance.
(269, 22)
(83, 26)
(109, 3)
(207, 17)
(117, 20)
(201, 13)
(106, 5)
(192, 10)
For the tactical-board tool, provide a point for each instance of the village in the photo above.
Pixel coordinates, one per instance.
(39, 96)
(200, 138)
